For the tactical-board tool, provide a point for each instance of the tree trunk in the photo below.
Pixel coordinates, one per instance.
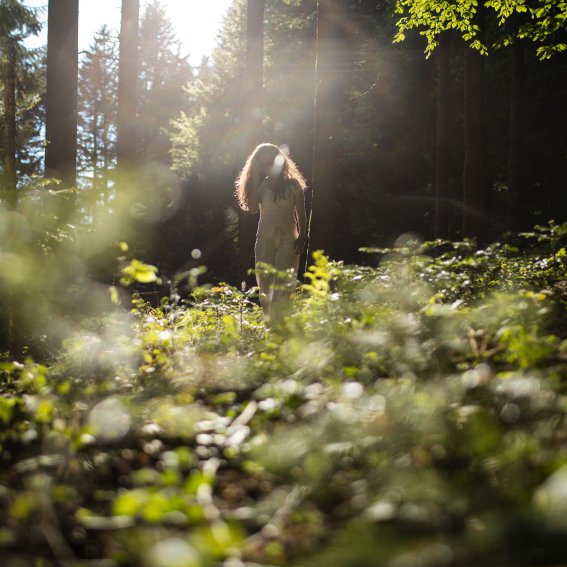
(475, 214)
(61, 98)
(9, 102)
(10, 179)
(252, 120)
(323, 205)
(516, 149)
(442, 171)
(126, 145)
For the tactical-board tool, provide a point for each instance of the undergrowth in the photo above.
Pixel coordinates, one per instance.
(409, 413)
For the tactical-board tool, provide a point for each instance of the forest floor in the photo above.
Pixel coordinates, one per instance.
(409, 413)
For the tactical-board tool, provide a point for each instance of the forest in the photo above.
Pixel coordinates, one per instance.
(410, 408)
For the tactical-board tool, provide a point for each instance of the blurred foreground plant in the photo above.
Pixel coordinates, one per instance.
(407, 412)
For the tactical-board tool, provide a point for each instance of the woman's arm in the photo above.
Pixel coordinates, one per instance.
(299, 202)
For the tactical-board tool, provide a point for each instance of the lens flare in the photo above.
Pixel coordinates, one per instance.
(110, 420)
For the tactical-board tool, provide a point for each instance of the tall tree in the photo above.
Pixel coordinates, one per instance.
(9, 102)
(97, 112)
(516, 169)
(128, 93)
(16, 23)
(475, 199)
(254, 73)
(324, 176)
(61, 98)
(164, 73)
(252, 116)
(442, 159)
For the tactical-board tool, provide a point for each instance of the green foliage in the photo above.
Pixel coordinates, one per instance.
(407, 410)
(436, 17)
(544, 25)
(204, 134)
(18, 22)
(320, 275)
(164, 72)
(136, 271)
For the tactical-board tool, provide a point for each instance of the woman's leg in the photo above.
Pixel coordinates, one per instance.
(266, 286)
(285, 259)
(265, 252)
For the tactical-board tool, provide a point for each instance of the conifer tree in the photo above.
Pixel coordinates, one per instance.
(20, 85)
(164, 71)
(97, 112)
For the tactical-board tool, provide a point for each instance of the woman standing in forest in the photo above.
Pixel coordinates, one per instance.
(271, 182)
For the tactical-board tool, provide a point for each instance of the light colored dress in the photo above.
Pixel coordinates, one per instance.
(275, 239)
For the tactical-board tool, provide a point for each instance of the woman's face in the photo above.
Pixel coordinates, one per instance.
(263, 163)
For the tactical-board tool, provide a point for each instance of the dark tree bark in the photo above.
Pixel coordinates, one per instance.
(9, 102)
(10, 179)
(475, 197)
(252, 120)
(61, 98)
(442, 166)
(516, 149)
(322, 221)
(126, 146)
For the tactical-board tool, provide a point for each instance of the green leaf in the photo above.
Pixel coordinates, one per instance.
(130, 502)
(6, 409)
(137, 271)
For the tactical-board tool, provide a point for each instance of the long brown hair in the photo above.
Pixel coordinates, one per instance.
(284, 170)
